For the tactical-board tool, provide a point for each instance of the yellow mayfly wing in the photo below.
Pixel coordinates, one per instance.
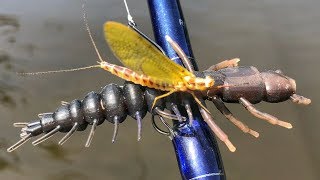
(138, 54)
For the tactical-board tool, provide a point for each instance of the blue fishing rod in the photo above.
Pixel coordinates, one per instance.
(195, 146)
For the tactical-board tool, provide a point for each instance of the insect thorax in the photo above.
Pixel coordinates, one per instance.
(196, 83)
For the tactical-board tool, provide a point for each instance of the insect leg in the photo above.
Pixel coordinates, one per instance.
(93, 112)
(139, 123)
(300, 99)
(157, 109)
(216, 129)
(115, 109)
(64, 103)
(190, 67)
(271, 119)
(162, 96)
(32, 129)
(135, 103)
(189, 112)
(224, 64)
(181, 54)
(199, 102)
(187, 63)
(93, 128)
(172, 105)
(226, 112)
(20, 124)
(115, 130)
(46, 136)
(69, 134)
(176, 111)
(43, 114)
(164, 114)
(19, 143)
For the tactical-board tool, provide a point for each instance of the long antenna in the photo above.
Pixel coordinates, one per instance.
(58, 71)
(85, 20)
(75, 69)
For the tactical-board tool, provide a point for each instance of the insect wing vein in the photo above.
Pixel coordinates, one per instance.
(138, 54)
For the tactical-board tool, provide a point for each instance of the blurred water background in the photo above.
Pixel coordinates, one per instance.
(49, 35)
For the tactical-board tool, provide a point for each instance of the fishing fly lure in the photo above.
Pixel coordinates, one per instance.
(147, 66)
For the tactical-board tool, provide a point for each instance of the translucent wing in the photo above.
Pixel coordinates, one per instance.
(140, 55)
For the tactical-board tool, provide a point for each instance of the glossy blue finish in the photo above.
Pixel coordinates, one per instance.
(197, 152)
(167, 19)
(195, 147)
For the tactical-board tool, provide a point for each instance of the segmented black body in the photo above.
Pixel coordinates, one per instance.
(113, 103)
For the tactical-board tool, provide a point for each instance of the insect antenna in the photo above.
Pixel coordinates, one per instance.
(85, 20)
(58, 71)
(74, 69)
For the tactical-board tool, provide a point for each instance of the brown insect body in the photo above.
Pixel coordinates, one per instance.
(190, 83)
(249, 83)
